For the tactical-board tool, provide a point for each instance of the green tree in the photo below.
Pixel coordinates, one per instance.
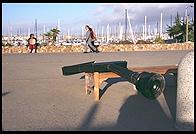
(52, 34)
(191, 31)
(48, 35)
(159, 40)
(55, 33)
(178, 30)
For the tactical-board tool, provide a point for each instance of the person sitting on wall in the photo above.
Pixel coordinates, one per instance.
(32, 43)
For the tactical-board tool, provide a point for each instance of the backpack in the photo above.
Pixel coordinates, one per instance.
(93, 35)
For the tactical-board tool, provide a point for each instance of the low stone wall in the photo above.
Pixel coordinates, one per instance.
(102, 48)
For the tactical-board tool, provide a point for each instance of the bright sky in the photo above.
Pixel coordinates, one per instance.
(75, 15)
(50, 13)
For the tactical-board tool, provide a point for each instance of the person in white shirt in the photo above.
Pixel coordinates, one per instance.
(90, 38)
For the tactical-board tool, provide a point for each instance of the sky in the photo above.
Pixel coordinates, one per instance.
(20, 17)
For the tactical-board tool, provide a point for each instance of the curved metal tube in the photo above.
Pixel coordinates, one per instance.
(151, 85)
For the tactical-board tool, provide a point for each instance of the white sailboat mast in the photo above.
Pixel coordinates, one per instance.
(145, 29)
(161, 25)
(108, 33)
(131, 31)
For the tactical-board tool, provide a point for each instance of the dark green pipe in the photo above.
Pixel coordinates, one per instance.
(90, 67)
(151, 85)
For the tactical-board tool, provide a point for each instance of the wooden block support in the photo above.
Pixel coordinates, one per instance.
(96, 86)
(99, 78)
(89, 82)
(155, 69)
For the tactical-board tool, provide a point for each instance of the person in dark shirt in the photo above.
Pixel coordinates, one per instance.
(32, 43)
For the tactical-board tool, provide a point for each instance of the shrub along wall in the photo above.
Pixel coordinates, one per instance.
(102, 48)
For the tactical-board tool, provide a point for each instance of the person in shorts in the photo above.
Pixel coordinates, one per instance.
(32, 43)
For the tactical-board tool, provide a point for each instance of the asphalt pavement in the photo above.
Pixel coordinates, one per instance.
(37, 97)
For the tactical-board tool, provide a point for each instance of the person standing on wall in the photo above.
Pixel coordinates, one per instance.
(90, 38)
(32, 43)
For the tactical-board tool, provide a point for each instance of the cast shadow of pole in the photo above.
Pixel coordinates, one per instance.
(110, 82)
(89, 117)
(5, 93)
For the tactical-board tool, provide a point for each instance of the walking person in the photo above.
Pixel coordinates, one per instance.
(32, 43)
(90, 38)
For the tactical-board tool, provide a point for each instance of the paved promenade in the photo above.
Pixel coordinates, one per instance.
(36, 96)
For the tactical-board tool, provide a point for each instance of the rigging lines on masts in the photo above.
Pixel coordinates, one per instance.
(97, 31)
(149, 30)
(28, 31)
(36, 27)
(143, 32)
(44, 28)
(126, 24)
(134, 31)
(145, 28)
(58, 24)
(10, 33)
(115, 36)
(161, 25)
(47, 29)
(68, 32)
(44, 32)
(102, 35)
(130, 28)
(107, 33)
(120, 32)
(82, 32)
(59, 28)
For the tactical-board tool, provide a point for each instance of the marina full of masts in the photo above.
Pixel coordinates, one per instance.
(17, 40)
(108, 34)
(118, 33)
(105, 36)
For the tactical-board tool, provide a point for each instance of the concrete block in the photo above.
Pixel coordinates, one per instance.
(185, 93)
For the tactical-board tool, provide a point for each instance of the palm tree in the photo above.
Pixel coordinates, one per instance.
(49, 36)
(55, 33)
(52, 35)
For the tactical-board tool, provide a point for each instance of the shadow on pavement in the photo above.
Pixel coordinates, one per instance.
(82, 77)
(88, 119)
(138, 113)
(5, 93)
(110, 82)
(170, 92)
